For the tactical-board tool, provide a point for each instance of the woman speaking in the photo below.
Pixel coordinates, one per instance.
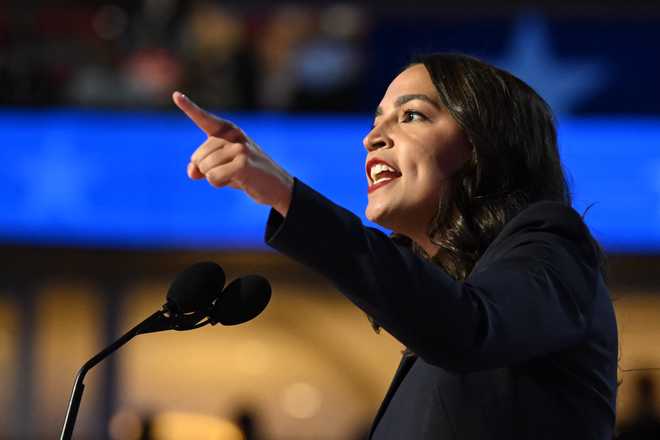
(490, 278)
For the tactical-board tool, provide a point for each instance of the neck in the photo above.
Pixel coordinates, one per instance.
(423, 241)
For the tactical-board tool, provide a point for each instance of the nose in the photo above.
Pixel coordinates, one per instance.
(376, 138)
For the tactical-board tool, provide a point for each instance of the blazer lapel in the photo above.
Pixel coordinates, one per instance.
(406, 363)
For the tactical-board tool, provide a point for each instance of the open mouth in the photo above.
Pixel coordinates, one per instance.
(379, 171)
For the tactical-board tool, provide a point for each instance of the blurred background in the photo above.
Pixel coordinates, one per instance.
(97, 215)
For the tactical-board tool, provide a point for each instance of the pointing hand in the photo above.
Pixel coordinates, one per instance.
(229, 157)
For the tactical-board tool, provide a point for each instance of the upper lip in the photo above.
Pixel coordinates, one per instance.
(373, 161)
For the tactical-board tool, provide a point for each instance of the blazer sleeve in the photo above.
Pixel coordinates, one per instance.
(530, 300)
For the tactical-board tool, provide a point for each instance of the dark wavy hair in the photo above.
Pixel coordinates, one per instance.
(514, 163)
(515, 159)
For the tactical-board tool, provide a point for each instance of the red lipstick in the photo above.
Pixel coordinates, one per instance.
(375, 186)
(374, 161)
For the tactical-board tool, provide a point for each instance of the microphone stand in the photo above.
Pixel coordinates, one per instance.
(156, 322)
(170, 317)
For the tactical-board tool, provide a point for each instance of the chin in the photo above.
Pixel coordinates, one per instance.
(381, 217)
(373, 215)
(370, 216)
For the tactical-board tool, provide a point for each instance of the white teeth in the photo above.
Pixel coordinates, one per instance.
(382, 179)
(377, 168)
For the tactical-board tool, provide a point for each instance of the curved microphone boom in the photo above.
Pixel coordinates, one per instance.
(190, 299)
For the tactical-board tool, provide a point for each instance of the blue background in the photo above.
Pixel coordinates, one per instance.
(118, 179)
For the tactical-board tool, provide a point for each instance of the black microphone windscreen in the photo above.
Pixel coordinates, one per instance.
(196, 287)
(243, 299)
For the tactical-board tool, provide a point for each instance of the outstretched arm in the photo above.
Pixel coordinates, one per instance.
(531, 300)
(528, 299)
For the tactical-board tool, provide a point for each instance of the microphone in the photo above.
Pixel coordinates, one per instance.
(189, 299)
(243, 299)
(195, 288)
(195, 294)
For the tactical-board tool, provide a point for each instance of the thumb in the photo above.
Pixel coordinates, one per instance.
(210, 124)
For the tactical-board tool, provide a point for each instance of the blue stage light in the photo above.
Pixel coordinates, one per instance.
(119, 179)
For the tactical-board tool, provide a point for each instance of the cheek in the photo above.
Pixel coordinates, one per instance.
(432, 166)
(451, 157)
(432, 172)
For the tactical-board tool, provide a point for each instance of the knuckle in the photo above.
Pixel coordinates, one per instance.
(241, 161)
(205, 165)
(210, 161)
(213, 146)
(214, 178)
(216, 142)
(240, 148)
(196, 154)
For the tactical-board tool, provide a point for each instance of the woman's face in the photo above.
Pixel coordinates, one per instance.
(412, 150)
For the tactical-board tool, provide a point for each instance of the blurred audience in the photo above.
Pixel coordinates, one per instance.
(278, 40)
(311, 56)
(328, 65)
(133, 54)
(216, 51)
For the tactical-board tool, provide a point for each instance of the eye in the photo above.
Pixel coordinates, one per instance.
(413, 115)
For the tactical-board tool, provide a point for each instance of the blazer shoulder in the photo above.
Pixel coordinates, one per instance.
(547, 221)
(547, 216)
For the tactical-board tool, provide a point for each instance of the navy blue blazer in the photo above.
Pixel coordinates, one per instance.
(524, 348)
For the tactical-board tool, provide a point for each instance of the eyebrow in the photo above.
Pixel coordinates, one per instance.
(407, 98)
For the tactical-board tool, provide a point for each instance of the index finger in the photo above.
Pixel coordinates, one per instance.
(210, 124)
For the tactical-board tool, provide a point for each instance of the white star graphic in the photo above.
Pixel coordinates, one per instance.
(563, 83)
